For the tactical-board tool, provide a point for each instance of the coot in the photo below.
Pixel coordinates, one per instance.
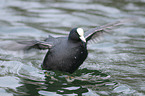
(66, 54)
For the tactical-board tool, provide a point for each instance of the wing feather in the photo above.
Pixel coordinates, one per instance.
(99, 31)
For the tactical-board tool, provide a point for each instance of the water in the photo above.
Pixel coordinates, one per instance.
(115, 66)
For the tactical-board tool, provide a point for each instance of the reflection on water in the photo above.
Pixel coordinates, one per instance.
(115, 66)
(58, 83)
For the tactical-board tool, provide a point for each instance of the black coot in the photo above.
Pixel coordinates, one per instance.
(66, 54)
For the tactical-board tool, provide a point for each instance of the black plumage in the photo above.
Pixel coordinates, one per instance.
(66, 54)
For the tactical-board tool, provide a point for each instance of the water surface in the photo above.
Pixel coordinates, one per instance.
(115, 66)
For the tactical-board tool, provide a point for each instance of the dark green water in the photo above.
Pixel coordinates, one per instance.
(115, 66)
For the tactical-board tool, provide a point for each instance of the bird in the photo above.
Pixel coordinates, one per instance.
(66, 54)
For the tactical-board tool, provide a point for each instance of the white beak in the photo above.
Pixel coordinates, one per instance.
(83, 38)
(81, 33)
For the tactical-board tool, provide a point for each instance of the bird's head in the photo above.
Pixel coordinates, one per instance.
(77, 34)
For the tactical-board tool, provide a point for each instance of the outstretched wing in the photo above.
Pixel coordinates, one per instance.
(42, 45)
(35, 44)
(96, 33)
